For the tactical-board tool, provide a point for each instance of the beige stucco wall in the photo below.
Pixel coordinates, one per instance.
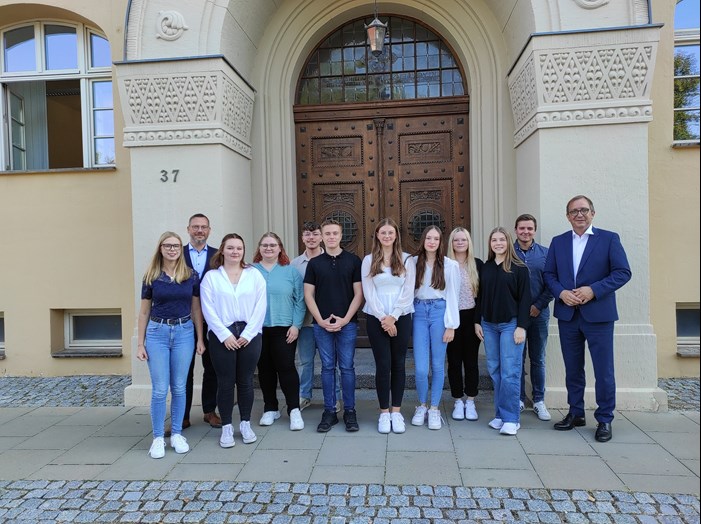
(674, 212)
(68, 233)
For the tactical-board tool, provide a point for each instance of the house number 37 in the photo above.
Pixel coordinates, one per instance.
(165, 175)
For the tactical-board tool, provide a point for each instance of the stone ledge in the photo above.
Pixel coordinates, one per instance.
(688, 351)
(88, 353)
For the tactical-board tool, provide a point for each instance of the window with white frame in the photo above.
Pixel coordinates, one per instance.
(2, 334)
(686, 72)
(56, 97)
(93, 329)
(688, 331)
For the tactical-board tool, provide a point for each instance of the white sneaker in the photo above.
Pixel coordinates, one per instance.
(246, 432)
(397, 419)
(384, 425)
(158, 448)
(470, 411)
(459, 410)
(338, 406)
(434, 419)
(419, 418)
(296, 422)
(269, 417)
(304, 403)
(179, 444)
(496, 423)
(509, 428)
(227, 436)
(540, 410)
(521, 405)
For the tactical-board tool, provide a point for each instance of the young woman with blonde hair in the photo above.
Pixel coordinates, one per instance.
(463, 351)
(169, 317)
(388, 287)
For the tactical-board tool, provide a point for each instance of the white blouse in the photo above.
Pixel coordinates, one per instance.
(449, 294)
(387, 294)
(223, 303)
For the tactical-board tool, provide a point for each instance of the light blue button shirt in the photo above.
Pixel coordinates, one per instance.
(198, 258)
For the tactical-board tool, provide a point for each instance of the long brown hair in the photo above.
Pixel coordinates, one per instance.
(218, 258)
(155, 268)
(396, 263)
(282, 258)
(438, 276)
(470, 263)
(511, 256)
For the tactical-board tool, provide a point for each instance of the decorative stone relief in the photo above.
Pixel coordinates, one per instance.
(583, 85)
(591, 4)
(184, 108)
(170, 25)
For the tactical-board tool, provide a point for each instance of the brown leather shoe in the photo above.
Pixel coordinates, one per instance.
(212, 419)
(186, 423)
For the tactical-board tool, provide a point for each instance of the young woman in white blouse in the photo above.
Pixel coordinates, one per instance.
(436, 317)
(388, 287)
(233, 297)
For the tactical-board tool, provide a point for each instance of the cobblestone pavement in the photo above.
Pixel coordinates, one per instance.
(305, 503)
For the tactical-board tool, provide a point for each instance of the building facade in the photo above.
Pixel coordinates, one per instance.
(261, 114)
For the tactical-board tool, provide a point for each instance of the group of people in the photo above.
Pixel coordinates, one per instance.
(242, 316)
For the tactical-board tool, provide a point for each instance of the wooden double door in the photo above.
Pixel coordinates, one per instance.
(407, 160)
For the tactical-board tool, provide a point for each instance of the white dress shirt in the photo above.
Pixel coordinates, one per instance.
(578, 246)
(223, 303)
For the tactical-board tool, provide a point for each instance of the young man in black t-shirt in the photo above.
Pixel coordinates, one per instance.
(333, 293)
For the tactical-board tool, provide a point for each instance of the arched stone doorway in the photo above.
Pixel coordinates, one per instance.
(382, 136)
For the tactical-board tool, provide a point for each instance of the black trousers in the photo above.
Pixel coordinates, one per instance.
(462, 355)
(390, 359)
(209, 381)
(277, 362)
(235, 369)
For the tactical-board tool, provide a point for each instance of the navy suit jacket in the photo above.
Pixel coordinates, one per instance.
(210, 253)
(604, 268)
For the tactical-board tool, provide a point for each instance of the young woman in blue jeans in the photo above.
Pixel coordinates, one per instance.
(435, 319)
(501, 319)
(169, 317)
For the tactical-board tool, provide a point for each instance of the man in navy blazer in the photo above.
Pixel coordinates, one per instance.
(583, 270)
(197, 256)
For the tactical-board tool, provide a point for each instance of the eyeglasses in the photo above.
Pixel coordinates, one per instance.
(583, 211)
(266, 246)
(171, 247)
(199, 228)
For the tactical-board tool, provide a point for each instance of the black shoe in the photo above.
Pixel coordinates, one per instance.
(570, 422)
(604, 432)
(328, 420)
(351, 420)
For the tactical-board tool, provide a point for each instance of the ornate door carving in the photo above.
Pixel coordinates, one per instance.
(363, 162)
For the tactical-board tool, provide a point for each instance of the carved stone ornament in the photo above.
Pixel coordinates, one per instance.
(170, 25)
(591, 4)
(582, 86)
(186, 108)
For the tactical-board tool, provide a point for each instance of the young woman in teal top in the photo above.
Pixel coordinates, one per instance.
(283, 320)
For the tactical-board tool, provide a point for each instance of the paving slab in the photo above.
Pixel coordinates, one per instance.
(205, 472)
(421, 467)
(68, 472)
(489, 477)
(348, 474)
(654, 483)
(21, 463)
(640, 458)
(562, 472)
(59, 437)
(288, 466)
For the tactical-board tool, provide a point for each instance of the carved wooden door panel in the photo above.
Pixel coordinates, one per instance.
(362, 162)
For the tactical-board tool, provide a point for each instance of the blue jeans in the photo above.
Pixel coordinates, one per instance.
(306, 351)
(505, 363)
(337, 348)
(428, 331)
(170, 350)
(536, 340)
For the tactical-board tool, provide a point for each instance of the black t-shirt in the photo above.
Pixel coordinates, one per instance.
(333, 278)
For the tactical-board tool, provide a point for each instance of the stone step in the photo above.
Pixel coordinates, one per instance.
(365, 371)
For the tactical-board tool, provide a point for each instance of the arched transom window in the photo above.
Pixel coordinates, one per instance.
(415, 63)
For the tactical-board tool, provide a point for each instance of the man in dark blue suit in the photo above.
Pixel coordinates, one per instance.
(583, 270)
(197, 256)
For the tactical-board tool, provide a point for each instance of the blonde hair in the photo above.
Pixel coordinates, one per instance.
(469, 263)
(155, 268)
(511, 256)
(396, 263)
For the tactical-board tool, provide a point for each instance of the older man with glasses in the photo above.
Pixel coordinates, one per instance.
(584, 269)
